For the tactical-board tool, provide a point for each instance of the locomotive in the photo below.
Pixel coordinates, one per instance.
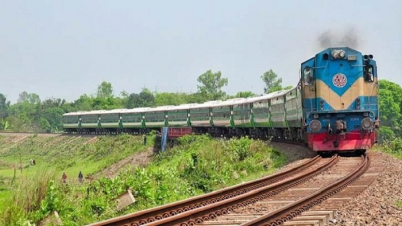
(334, 107)
(340, 100)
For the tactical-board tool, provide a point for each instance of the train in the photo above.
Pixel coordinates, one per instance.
(333, 108)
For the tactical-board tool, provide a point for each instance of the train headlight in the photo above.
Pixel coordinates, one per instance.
(338, 54)
(315, 125)
(367, 124)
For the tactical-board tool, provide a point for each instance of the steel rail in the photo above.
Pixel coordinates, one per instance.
(168, 210)
(207, 212)
(278, 217)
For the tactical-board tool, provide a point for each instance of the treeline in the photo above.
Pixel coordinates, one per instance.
(31, 114)
(390, 110)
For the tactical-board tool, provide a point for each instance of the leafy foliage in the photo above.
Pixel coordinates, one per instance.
(170, 99)
(4, 105)
(105, 90)
(31, 98)
(211, 85)
(143, 99)
(244, 94)
(393, 147)
(390, 101)
(51, 202)
(272, 82)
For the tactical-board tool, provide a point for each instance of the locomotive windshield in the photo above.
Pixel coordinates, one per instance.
(308, 75)
(368, 73)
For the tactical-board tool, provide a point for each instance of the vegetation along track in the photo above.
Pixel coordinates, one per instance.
(195, 209)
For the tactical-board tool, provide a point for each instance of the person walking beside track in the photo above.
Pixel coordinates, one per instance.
(64, 178)
(145, 140)
(80, 176)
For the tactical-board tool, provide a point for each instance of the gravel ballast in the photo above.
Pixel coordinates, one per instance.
(376, 205)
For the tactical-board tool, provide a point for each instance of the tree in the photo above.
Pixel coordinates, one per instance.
(84, 103)
(162, 99)
(124, 94)
(287, 87)
(212, 84)
(24, 116)
(53, 102)
(390, 104)
(105, 90)
(196, 98)
(245, 94)
(31, 98)
(24, 96)
(272, 82)
(143, 99)
(106, 103)
(51, 119)
(4, 105)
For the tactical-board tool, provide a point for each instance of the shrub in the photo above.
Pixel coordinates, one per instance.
(393, 147)
(27, 198)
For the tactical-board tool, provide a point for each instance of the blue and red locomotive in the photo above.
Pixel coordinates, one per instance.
(333, 108)
(340, 100)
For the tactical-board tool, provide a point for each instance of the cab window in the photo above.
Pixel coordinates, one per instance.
(308, 76)
(369, 73)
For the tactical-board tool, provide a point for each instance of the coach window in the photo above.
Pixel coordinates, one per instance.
(308, 76)
(368, 73)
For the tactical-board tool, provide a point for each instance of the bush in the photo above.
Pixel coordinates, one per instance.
(385, 134)
(27, 198)
(393, 147)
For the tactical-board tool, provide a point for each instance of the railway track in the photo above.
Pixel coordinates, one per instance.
(314, 198)
(200, 209)
(268, 201)
(335, 202)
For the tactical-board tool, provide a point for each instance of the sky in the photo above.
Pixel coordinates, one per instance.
(63, 49)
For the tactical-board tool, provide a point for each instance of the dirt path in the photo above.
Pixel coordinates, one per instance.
(137, 159)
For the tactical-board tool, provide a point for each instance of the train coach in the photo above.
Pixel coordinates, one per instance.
(257, 116)
(333, 108)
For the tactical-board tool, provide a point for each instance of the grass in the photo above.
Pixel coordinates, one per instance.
(399, 204)
(392, 147)
(60, 154)
(197, 165)
(26, 196)
(64, 153)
